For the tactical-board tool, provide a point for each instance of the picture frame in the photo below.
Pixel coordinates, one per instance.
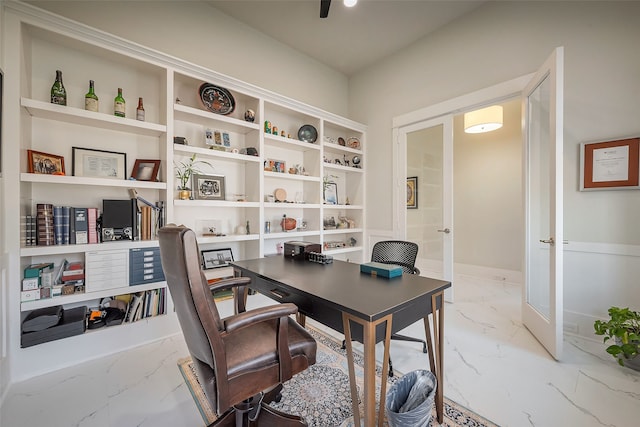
(610, 165)
(330, 193)
(216, 258)
(89, 162)
(226, 139)
(145, 170)
(273, 165)
(45, 163)
(412, 192)
(208, 187)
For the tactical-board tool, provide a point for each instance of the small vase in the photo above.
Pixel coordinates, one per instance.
(184, 194)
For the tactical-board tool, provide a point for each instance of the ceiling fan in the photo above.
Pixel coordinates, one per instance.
(324, 6)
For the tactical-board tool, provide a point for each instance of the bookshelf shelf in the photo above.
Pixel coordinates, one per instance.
(89, 181)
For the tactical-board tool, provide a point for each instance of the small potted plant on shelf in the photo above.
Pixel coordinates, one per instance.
(184, 171)
(624, 327)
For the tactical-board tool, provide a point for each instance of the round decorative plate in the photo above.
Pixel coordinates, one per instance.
(353, 142)
(216, 99)
(280, 194)
(307, 133)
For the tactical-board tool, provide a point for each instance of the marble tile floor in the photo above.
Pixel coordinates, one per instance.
(493, 366)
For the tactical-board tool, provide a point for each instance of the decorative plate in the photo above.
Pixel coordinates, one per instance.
(216, 99)
(280, 194)
(353, 142)
(307, 133)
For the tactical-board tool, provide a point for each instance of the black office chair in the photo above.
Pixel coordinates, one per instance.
(403, 254)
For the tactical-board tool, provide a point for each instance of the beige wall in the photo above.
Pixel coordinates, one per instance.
(487, 194)
(498, 42)
(199, 33)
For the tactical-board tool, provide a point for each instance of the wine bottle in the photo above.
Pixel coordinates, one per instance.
(140, 110)
(91, 99)
(58, 92)
(119, 104)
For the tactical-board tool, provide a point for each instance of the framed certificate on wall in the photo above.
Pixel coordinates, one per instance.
(610, 165)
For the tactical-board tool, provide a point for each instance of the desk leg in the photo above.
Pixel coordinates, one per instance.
(369, 398)
(438, 367)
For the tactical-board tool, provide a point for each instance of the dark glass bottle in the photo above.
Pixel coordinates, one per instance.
(140, 111)
(119, 104)
(91, 99)
(58, 92)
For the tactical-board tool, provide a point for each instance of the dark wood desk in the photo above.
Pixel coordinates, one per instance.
(364, 308)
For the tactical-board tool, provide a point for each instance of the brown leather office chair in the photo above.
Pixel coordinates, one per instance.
(241, 360)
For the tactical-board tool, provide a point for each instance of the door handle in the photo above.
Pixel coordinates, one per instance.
(552, 242)
(445, 231)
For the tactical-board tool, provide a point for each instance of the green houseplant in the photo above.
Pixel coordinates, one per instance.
(623, 327)
(184, 171)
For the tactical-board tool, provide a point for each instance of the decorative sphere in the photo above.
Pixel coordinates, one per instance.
(355, 160)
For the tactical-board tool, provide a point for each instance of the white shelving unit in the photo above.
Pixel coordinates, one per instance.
(37, 43)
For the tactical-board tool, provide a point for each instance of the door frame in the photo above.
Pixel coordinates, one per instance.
(493, 94)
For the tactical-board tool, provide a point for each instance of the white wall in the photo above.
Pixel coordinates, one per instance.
(4, 366)
(201, 34)
(498, 42)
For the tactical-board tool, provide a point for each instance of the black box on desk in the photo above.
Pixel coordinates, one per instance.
(298, 250)
(73, 322)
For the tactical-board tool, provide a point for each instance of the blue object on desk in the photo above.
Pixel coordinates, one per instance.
(380, 269)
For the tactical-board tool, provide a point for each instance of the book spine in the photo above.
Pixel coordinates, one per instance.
(45, 229)
(57, 225)
(66, 217)
(92, 224)
(72, 226)
(81, 226)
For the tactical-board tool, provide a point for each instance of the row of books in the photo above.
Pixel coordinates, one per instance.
(61, 225)
(146, 304)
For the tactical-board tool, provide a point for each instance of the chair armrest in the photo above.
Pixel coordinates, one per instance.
(416, 270)
(229, 283)
(262, 314)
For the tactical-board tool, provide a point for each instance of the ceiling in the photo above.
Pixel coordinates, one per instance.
(350, 39)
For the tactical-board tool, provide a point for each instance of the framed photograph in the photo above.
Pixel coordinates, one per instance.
(208, 187)
(412, 192)
(215, 258)
(273, 165)
(98, 163)
(45, 163)
(610, 165)
(226, 140)
(145, 170)
(331, 193)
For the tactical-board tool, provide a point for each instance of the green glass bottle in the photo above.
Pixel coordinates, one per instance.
(119, 104)
(58, 92)
(91, 99)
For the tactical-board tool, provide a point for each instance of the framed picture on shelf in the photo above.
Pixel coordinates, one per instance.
(331, 193)
(145, 170)
(98, 163)
(45, 163)
(215, 258)
(226, 140)
(412, 192)
(610, 165)
(208, 187)
(273, 165)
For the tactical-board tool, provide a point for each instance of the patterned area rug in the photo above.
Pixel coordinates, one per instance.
(321, 394)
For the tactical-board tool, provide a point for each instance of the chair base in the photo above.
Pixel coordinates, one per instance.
(244, 415)
(406, 338)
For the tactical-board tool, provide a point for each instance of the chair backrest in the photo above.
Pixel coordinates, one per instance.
(398, 252)
(195, 308)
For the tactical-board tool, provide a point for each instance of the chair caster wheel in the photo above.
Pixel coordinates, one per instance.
(278, 398)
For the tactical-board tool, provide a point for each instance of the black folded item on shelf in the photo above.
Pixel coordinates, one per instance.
(42, 318)
(73, 322)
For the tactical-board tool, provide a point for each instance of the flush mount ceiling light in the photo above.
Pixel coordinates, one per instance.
(483, 120)
(350, 3)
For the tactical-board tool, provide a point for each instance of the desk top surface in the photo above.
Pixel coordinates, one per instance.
(343, 286)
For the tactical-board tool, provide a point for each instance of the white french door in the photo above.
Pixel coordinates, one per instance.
(542, 109)
(426, 150)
